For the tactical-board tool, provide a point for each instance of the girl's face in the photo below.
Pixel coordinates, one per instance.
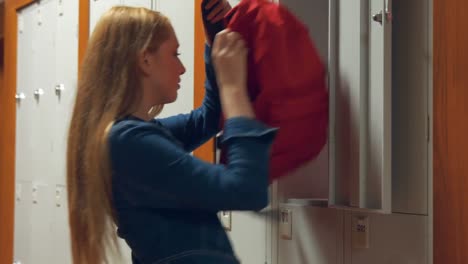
(161, 72)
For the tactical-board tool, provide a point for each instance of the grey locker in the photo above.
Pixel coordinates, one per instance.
(27, 165)
(179, 12)
(63, 91)
(24, 165)
(38, 157)
(308, 233)
(65, 82)
(311, 180)
(360, 110)
(42, 114)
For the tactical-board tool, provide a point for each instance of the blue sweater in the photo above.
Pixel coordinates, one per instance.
(166, 200)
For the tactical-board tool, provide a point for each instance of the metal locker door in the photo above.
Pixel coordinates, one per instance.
(97, 8)
(66, 61)
(24, 160)
(311, 180)
(23, 243)
(24, 165)
(308, 233)
(66, 75)
(43, 76)
(181, 14)
(360, 109)
(41, 118)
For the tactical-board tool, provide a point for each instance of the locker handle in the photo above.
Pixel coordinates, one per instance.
(38, 93)
(59, 88)
(20, 96)
(378, 17)
(387, 14)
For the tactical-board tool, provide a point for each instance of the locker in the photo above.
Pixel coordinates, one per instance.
(39, 158)
(42, 113)
(64, 86)
(311, 180)
(24, 96)
(180, 12)
(312, 234)
(360, 116)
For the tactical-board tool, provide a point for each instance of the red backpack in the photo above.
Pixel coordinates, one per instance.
(286, 82)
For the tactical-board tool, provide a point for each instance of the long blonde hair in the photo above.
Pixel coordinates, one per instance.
(109, 88)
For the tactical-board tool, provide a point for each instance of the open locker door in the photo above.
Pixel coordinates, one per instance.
(360, 105)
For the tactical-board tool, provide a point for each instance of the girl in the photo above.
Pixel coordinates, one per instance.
(127, 169)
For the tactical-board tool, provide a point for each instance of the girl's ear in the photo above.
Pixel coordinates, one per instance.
(144, 62)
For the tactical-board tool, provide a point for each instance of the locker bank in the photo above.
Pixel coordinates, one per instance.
(389, 186)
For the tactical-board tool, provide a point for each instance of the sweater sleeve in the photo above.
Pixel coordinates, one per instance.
(150, 171)
(201, 124)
